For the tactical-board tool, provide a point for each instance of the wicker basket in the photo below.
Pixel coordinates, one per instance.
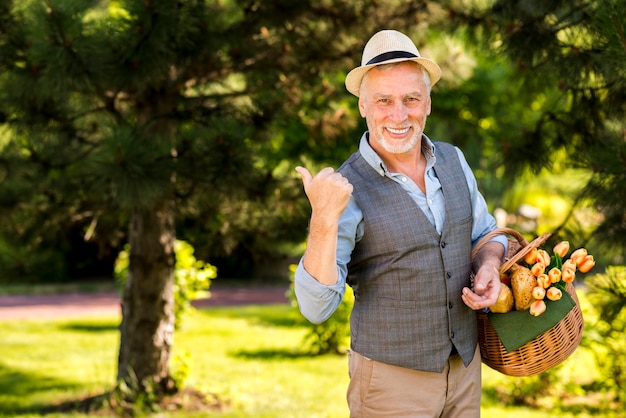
(545, 351)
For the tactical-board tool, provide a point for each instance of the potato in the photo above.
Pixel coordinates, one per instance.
(505, 301)
(522, 282)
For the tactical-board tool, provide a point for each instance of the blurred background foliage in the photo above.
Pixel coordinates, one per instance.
(532, 91)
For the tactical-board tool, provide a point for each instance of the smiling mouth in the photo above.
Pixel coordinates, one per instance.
(398, 131)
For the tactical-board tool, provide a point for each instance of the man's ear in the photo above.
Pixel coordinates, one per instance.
(362, 107)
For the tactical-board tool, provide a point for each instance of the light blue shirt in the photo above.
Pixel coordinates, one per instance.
(317, 301)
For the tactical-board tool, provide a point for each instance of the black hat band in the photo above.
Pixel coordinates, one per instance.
(386, 56)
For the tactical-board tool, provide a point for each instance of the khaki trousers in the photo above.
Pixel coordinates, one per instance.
(381, 390)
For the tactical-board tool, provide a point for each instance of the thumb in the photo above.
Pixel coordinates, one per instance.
(482, 280)
(305, 174)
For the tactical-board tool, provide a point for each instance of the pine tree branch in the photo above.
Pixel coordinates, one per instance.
(620, 30)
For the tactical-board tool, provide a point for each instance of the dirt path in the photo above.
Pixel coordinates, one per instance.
(70, 305)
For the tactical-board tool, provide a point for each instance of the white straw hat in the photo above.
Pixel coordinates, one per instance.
(385, 47)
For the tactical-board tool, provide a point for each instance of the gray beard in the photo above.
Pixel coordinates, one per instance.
(398, 148)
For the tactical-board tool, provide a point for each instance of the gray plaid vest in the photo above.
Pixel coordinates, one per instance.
(407, 278)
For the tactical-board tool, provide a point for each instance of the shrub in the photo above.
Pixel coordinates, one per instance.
(192, 277)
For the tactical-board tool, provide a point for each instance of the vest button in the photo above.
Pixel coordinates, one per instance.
(450, 305)
(443, 244)
(448, 275)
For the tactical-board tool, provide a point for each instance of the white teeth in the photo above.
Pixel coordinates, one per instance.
(398, 131)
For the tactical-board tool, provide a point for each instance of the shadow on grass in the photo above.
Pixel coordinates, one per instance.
(90, 327)
(17, 390)
(272, 354)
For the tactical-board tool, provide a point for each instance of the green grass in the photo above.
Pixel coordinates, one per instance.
(250, 357)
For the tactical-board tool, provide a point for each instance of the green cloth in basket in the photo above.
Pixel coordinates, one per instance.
(516, 328)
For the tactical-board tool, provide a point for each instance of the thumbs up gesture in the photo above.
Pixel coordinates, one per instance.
(328, 192)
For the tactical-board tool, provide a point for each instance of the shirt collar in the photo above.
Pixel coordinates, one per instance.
(372, 158)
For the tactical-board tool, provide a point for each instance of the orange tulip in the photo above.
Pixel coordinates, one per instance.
(554, 293)
(531, 257)
(555, 275)
(537, 269)
(539, 292)
(537, 307)
(568, 275)
(569, 264)
(578, 255)
(586, 264)
(561, 248)
(544, 281)
(543, 256)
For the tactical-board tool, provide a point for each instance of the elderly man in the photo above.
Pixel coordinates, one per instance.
(397, 222)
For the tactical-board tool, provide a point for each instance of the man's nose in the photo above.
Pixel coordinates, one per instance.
(399, 112)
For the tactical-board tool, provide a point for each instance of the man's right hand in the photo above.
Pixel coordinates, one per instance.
(328, 192)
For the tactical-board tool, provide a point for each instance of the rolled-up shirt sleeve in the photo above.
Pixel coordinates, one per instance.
(316, 301)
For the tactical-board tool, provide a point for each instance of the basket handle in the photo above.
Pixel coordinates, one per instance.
(510, 260)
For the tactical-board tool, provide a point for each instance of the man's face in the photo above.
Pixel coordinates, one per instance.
(395, 101)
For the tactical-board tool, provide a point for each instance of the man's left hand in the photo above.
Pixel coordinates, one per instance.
(486, 289)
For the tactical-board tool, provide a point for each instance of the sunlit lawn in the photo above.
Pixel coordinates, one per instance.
(250, 357)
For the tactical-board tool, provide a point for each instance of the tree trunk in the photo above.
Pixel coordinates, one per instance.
(147, 328)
